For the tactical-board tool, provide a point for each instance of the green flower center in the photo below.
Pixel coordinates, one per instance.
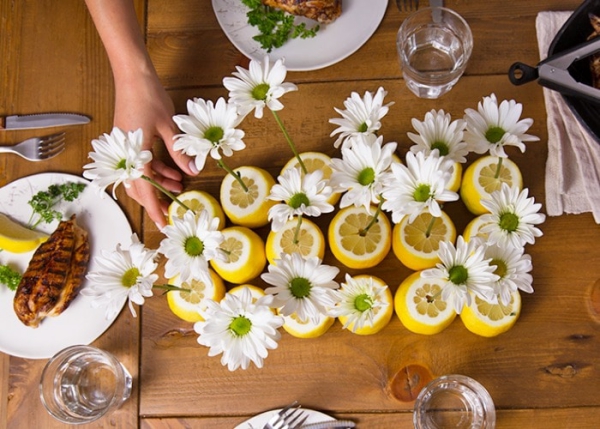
(214, 134)
(509, 222)
(240, 326)
(458, 274)
(300, 287)
(130, 276)
(122, 165)
(260, 91)
(501, 268)
(298, 199)
(194, 246)
(442, 147)
(494, 134)
(362, 128)
(363, 302)
(422, 193)
(366, 176)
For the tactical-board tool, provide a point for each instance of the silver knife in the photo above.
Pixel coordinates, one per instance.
(42, 120)
(330, 424)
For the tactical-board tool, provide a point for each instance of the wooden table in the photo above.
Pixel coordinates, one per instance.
(544, 373)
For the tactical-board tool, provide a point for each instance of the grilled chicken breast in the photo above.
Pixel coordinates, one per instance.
(54, 275)
(595, 58)
(324, 11)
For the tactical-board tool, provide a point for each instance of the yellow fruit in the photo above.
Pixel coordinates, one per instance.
(420, 307)
(187, 305)
(255, 291)
(244, 253)
(310, 241)
(314, 161)
(483, 177)
(416, 248)
(197, 201)
(455, 179)
(307, 329)
(473, 229)
(489, 320)
(382, 315)
(16, 238)
(351, 245)
(249, 208)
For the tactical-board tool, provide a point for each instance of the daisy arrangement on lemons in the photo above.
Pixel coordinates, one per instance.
(362, 116)
(301, 286)
(439, 131)
(493, 126)
(512, 217)
(240, 328)
(189, 244)
(513, 268)
(464, 271)
(123, 272)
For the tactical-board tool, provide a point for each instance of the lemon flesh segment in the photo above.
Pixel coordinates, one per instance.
(255, 291)
(483, 177)
(307, 329)
(314, 161)
(420, 307)
(351, 245)
(414, 246)
(382, 315)
(16, 238)
(489, 320)
(188, 305)
(251, 208)
(308, 242)
(244, 255)
(473, 229)
(196, 201)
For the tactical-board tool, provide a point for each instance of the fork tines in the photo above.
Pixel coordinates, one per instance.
(407, 5)
(51, 145)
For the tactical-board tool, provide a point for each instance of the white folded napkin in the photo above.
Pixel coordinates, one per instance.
(573, 165)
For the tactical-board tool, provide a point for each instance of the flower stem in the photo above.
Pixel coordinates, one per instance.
(297, 231)
(498, 168)
(430, 226)
(237, 177)
(166, 192)
(168, 288)
(289, 140)
(364, 231)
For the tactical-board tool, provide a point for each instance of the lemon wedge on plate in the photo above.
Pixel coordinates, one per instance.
(16, 238)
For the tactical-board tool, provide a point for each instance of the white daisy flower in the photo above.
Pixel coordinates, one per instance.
(118, 158)
(362, 171)
(209, 128)
(189, 244)
(491, 127)
(512, 217)
(361, 117)
(464, 271)
(418, 186)
(512, 268)
(122, 273)
(301, 195)
(301, 286)
(242, 330)
(438, 131)
(258, 87)
(360, 299)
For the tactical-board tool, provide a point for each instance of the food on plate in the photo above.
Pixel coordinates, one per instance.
(16, 238)
(595, 58)
(54, 275)
(324, 11)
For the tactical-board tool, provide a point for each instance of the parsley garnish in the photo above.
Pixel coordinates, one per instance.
(275, 26)
(43, 202)
(9, 277)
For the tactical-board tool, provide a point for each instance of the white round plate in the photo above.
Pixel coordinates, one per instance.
(258, 422)
(79, 323)
(333, 42)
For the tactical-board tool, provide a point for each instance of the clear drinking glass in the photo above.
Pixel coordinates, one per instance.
(80, 384)
(454, 401)
(434, 45)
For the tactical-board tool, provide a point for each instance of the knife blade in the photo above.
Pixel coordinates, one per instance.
(42, 120)
(330, 424)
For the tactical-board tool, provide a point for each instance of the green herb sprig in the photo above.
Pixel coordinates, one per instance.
(43, 202)
(275, 26)
(9, 277)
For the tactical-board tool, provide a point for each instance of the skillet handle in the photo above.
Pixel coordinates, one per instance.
(520, 73)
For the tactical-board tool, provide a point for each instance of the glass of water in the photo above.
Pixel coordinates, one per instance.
(434, 45)
(80, 384)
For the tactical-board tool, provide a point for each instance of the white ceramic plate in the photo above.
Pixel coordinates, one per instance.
(333, 42)
(257, 422)
(80, 323)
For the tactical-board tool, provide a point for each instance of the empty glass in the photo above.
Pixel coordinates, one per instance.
(434, 45)
(80, 384)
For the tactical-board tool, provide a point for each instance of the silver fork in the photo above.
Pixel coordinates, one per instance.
(407, 5)
(290, 417)
(38, 148)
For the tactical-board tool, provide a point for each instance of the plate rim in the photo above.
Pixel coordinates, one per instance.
(263, 417)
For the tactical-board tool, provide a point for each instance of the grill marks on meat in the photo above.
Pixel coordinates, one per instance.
(54, 275)
(324, 11)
